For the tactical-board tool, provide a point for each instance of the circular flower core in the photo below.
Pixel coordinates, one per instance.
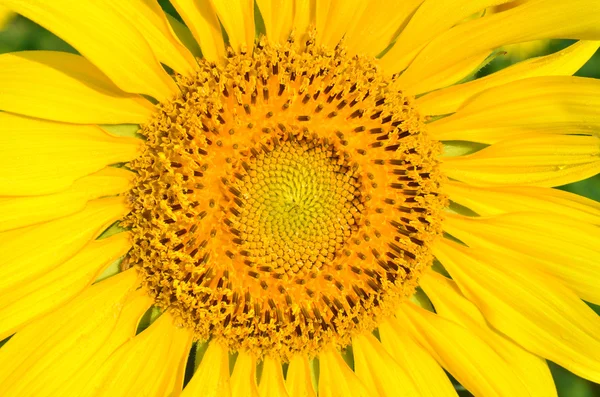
(295, 204)
(285, 200)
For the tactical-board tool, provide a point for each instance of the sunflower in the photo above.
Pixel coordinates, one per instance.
(296, 199)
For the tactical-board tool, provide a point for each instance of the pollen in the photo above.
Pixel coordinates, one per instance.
(285, 200)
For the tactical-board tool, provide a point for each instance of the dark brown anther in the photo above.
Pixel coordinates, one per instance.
(376, 115)
(356, 113)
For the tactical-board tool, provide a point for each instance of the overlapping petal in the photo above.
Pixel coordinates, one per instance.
(425, 372)
(561, 63)
(278, 17)
(121, 51)
(65, 87)
(547, 104)
(31, 251)
(533, 309)
(552, 243)
(432, 18)
(16, 212)
(339, 17)
(151, 364)
(298, 379)
(237, 17)
(211, 379)
(272, 383)
(450, 303)
(151, 22)
(42, 157)
(487, 201)
(59, 352)
(533, 159)
(462, 352)
(535, 19)
(379, 24)
(336, 379)
(243, 378)
(378, 371)
(200, 17)
(22, 303)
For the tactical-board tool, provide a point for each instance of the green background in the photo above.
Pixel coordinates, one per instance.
(21, 34)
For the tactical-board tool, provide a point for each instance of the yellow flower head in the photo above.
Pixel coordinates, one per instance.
(314, 198)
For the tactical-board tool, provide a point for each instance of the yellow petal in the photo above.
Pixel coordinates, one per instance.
(40, 157)
(52, 353)
(461, 352)
(278, 17)
(243, 379)
(430, 19)
(457, 72)
(550, 104)
(271, 380)
(5, 17)
(506, 199)
(65, 87)
(425, 372)
(298, 379)
(202, 20)
(561, 63)
(530, 160)
(33, 250)
(378, 370)
(151, 22)
(237, 17)
(336, 379)
(211, 379)
(536, 19)
(533, 309)
(321, 11)
(554, 244)
(184, 34)
(17, 212)
(450, 303)
(304, 18)
(342, 16)
(378, 26)
(106, 38)
(25, 302)
(150, 364)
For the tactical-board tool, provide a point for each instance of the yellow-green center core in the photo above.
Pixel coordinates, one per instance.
(285, 200)
(296, 204)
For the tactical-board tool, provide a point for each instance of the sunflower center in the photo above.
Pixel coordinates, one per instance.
(285, 200)
(296, 203)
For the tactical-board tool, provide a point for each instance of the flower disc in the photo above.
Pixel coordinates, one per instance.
(286, 200)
